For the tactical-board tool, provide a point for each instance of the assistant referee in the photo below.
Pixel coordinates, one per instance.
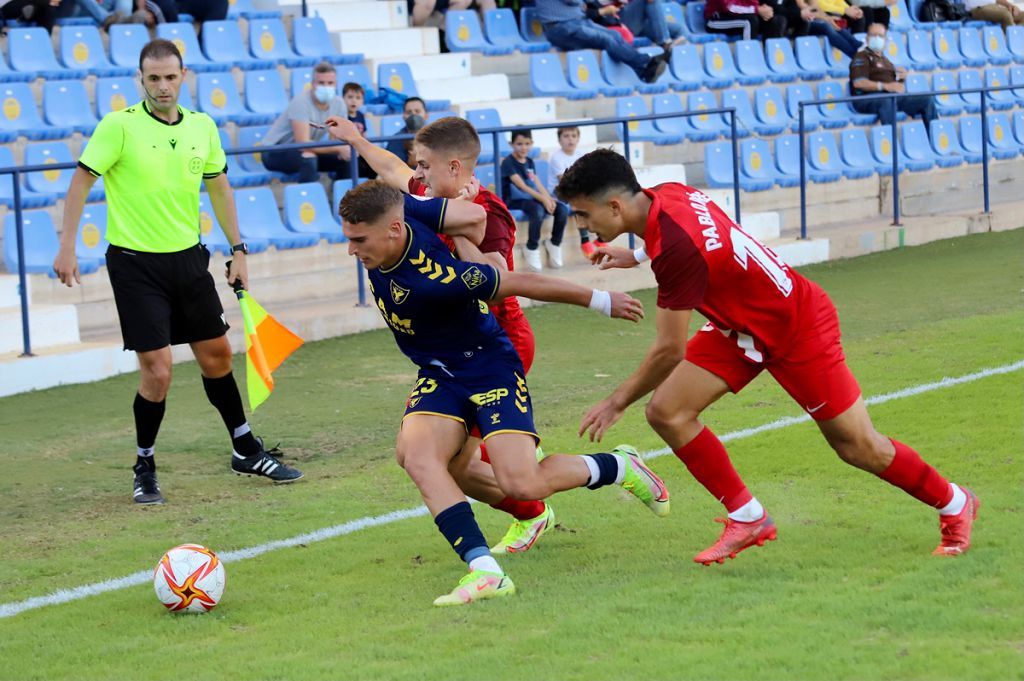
(153, 157)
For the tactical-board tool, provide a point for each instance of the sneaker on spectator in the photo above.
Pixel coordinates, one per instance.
(554, 254)
(654, 69)
(533, 259)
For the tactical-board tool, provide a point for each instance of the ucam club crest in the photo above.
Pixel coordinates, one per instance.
(398, 294)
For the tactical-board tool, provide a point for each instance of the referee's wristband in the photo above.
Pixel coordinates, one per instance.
(601, 301)
(640, 255)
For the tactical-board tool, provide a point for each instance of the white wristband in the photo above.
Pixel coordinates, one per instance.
(640, 255)
(601, 301)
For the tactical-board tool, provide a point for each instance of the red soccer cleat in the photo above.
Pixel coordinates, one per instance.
(738, 536)
(956, 529)
(587, 248)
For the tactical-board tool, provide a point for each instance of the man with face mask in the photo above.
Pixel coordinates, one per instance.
(414, 113)
(871, 72)
(299, 123)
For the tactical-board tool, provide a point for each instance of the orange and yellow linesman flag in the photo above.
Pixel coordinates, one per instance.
(267, 344)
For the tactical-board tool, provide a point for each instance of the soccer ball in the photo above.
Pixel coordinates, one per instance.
(189, 578)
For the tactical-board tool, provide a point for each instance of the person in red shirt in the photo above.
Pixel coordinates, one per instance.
(762, 315)
(446, 152)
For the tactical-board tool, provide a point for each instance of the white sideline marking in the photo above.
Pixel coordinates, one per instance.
(143, 576)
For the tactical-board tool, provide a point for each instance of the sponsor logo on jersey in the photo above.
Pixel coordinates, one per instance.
(472, 277)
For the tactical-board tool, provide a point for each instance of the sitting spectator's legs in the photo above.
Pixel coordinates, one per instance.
(879, 107)
(647, 18)
(561, 217)
(204, 10)
(308, 168)
(38, 12)
(535, 213)
(729, 23)
(919, 105)
(997, 14)
(842, 40)
(579, 34)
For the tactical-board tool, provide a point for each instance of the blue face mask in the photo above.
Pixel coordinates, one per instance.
(324, 93)
(876, 43)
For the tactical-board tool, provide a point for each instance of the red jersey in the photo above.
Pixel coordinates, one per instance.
(702, 260)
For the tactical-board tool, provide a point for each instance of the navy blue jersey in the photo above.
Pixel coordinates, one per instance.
(433, 302)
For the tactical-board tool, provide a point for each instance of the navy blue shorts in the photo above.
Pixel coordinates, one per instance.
(496, 401)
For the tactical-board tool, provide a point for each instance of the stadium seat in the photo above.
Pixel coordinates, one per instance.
(812, 114)
(1015, 43)
(66, 105)
(770, 108)
(302, 80)
(899, 18)
(264, 92)
(398, 77)
(970, 46)
(994, 41)
(223, 45)
(41, 245)
(856, 153)
(921, 51)
(485, 173)
(501, 31)
(718, 167)
(810, 58)
(896, 50)
(259, 218)
(824, 156)
(349, 73)
(218, 97)
(780, 60)
(787, 160)
(841, 110)
(757, 169)
(947, 48)
(55, 182)
(9, 76)
(1001, 142)
(391, 125)
(530, 27)
(674, 15)
(114, 94)
(31, 51)
(1017, 78)
(750, 61)
(621, 75)
(126, 42)
(718, 63)
(252, 136)
(268, 40)
(947, 105)
(548, 80)
(680, 126)
(705, 126)
(29, 199)
(998, 99)
(81, 49)
(91, 242)
(917, 82)
(238, 176)
(212, 236)
(668, 77)
(746, 121)
(1018, 127)
(488, 118)
(946, 145)
(838, 62)
(21, 116)
(584, 74)
(694, 26)
(338, 191)
(971, 79)
(308, 212)
(312, 40)
(970, 135)
(463, 33)
(641, 131)
(686, 67)
(915, 145)
(184, 37)
(881, 149)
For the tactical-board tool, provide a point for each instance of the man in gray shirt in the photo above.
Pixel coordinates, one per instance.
(293, 127)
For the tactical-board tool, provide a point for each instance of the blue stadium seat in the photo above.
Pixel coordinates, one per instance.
(947, 105)
(21, 116)
(668, 77)
(268, 40)
(485, 173)
(259, 218)
(312, 40)
(585, 74)
(921, 51)
(838, 62)
(621, 75)
(223, 45)
(917, 82)
(252, 136)
(212, 235)
(999, 99)
(915, 145)
(970, 46)
(114, 94)
(856, 153)
(946, 145)
(9, 76)
(810, 58)
(1017, 78)
(488, 118)
(463, 33)
(994, 41)
(718, 167)
(970, 135)
(824, 156)
(264, 92)
(812, 114)
(245, 8)
(126, 42)
(718, 63)
(881, 149)
(238, 176)
(899, 18)
(391, 125)
(185, 99)
(1018, 127)
(548, 80)
(398, 77)
(1001, 142)
(750, 61)
(787, 160)
(338, 191)
(674, 15)
(41, 245)
(302, 80)
(347, 73)
(530, 27)
(705, 126)
(757, 169)
(184, 37)
(66, 105)
(218, 97)
(308, 212)
(671, 103)
(780, 60)
(896, 49)
(29, 199)
(1015, 43)
(81, 49)
(55, 182)
(972, 100)
(31, 51)
(841, 110)
(501, 31)
(746, 121)
(770, 107)
(947, 48)
(694, 26)
(641, 131)
(686, 67)
(91, 242)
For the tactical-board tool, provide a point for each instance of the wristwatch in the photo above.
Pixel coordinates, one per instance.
(241, 247)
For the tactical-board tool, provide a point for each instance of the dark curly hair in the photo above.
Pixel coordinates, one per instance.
(596, 174)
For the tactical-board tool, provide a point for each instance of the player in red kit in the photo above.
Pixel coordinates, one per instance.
(762, 315)
(446, 152)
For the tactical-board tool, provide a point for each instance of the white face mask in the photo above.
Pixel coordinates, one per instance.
(324, 93)
(876, 43)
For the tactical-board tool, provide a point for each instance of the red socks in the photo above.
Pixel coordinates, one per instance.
(520, 510)
(910, 473)
(708, 462)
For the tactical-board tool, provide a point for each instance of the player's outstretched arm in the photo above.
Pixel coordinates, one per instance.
(389, 168)
(553, 290)
(66, 263)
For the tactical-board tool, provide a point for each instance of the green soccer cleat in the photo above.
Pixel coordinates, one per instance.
(641, 482)
(477, 586)
(523, 533)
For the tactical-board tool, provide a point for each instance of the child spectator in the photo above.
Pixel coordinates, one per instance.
(558, 163)
(522, 191)
(354, 96)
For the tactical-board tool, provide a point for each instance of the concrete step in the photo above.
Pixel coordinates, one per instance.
(363, 15)
(390, 44)
(517, 111)
(10, 290)
(466, 89)
(433, 66)
(48, 325)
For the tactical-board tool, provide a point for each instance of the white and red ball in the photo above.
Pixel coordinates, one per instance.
(189, 578)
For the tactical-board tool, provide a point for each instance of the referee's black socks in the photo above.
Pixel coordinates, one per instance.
(148, 416)
(223, 394)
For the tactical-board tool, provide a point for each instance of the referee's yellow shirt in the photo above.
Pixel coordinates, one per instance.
(152, 172)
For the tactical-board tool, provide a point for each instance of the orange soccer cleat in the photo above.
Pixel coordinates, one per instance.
(956, 529)
(736, 537)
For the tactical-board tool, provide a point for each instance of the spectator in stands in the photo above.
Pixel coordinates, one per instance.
(304, 121)
(647, 18)
(835, 30)
(567, 28)
(558, 163)
(105, 12)
(788, 17)
(519, 171)
(42, 13)
(431, 12)
(1002, 12)
(606, 13)
(355, 96)
(154, 12)
(842, 14)
(745, 18)
(875, 11)
(871, 72)
(414, 111)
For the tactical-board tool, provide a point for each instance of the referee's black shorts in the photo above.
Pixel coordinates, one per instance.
(165, 298)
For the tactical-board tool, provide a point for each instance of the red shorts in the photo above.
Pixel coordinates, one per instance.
(813, 369)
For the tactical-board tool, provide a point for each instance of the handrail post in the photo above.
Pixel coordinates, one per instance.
(353, 170)
(625, 148)
(305, 9)
(353, 166)
(984, 150)
(735, 166)
(497, 165)
(895, 165)
(361, 283)
(19, 231)
(803, 176)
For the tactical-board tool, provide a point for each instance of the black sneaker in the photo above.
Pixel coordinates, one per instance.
(146, 490)
(654, 68)
(264, 464)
